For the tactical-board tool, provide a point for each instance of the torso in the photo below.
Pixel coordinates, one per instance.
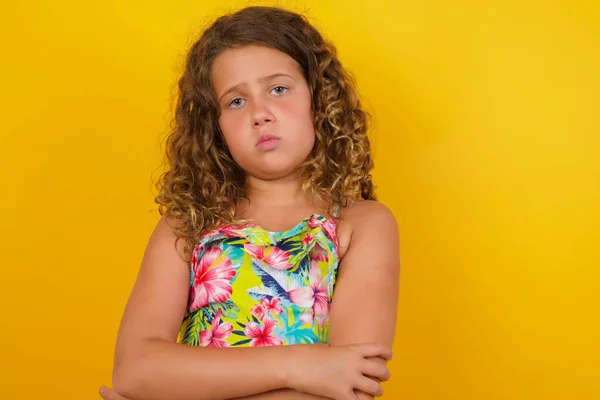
(241, 297)
(250, 286)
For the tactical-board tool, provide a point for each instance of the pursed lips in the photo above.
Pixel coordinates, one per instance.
(267, 141)
(266, 138)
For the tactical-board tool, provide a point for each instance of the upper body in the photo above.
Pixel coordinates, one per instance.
(251, 286)
(269, 132)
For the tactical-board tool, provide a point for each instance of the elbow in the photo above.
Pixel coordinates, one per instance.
(127, 380)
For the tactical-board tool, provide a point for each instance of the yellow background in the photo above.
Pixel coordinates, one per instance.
(487, 150)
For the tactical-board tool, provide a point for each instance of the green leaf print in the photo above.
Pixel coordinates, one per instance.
(324, 334)
(191, 329)
(259, 237)
(201, 319)
(301, 263)
(228, 310)
(236, 254)
(300, 336)
(241, 342)
(294, 331)
(237, 242)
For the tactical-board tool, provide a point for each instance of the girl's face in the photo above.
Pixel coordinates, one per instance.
(265, 106)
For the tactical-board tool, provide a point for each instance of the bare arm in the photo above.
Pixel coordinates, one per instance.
(365, 299)
(149, 364)
(284, 394)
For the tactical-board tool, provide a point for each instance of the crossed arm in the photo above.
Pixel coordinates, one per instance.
(150, 365)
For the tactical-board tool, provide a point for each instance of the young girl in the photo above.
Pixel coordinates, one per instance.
(273, 273)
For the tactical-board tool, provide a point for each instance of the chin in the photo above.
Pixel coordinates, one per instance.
(274, 171)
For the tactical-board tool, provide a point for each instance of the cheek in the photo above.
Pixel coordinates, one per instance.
(300, 114)
(231, 126)
(227, 126)
(230, 129)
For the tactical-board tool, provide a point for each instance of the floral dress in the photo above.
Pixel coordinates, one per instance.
(253, 287)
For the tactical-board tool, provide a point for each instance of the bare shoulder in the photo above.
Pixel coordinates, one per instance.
(369, 212)
(164, 241)
(366, 218)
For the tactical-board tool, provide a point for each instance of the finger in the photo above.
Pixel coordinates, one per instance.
(376, 370)
(376, 350)
(351, 395)
(103, 391)
(108, 393)
(369, 386)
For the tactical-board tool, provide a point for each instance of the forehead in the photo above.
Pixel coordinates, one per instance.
(248, 64)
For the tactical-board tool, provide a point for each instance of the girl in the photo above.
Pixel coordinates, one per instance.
(267, 206)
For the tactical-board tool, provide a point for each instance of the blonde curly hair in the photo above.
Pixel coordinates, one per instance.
(202, 184)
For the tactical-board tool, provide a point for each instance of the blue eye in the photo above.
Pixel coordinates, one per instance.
(235, 103)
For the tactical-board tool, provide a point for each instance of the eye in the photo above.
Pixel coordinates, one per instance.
(279, 90)
(235, 103)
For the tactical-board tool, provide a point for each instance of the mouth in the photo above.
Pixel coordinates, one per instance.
(267, 142)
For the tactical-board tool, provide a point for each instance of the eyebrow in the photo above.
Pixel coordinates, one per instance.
(263, 79)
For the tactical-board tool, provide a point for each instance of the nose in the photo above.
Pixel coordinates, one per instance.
(261, 113)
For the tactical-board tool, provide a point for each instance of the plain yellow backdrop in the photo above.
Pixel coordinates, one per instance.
(487, 149)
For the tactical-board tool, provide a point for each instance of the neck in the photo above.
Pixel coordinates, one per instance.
(286, 191)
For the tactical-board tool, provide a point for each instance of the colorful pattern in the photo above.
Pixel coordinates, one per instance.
(252, 287)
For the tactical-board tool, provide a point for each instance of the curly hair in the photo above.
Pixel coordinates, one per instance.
(202, 184)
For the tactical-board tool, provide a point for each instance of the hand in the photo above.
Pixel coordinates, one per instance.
(110, 394)
(337, 371)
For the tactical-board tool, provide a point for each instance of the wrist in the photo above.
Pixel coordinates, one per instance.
(292, 372)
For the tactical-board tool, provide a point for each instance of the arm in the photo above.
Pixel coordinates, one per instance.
(284, 394)
(149, 364)
(365, 299)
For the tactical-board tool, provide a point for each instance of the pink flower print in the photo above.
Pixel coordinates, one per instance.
(308, 238)
(195, 254)
(276, 257)
(313, 222)
(255, 251)
(262, 335)
(259, 311)
(232, 230)
(308, 317)
(271, 306)
(212, 275)
(265, 307)
(215, 337)
(314, 297)
(319, 253)
(329, 227)
(303, 296)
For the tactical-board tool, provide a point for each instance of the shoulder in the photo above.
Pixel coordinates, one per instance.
(366, 216)
(364, 219)
(364, 213)
(164, 241)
